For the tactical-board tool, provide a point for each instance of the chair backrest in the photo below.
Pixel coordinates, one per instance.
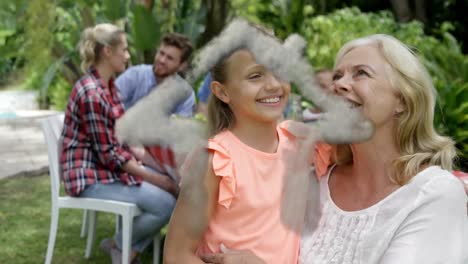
(52, 129)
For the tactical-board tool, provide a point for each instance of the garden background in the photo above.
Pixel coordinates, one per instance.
(38, 52)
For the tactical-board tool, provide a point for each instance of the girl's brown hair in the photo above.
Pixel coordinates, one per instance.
(220, 115)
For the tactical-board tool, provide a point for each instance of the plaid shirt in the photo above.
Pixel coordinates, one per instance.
(90, 151)
(164, 160)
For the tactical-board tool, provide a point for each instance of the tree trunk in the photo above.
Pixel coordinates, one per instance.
(87, 16)
(420, 10)
(148, 4)
(402, 10)
(216, 16)
(323, 6)
(406, 10)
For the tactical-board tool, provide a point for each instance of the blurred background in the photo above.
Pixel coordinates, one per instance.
(38, 39)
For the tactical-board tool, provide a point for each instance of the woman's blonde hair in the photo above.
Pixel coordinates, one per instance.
(94, 39)
(418, 142)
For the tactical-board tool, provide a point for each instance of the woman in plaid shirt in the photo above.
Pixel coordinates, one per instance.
(93, 162)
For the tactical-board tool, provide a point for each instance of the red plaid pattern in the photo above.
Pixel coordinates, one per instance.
(164, 159)
(90, 151)
(460, 174)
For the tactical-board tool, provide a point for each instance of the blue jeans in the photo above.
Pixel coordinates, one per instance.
(155, 203)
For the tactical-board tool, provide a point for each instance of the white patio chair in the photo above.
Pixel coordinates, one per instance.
(52, 127)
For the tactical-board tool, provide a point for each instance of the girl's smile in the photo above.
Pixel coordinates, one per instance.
(252, 91)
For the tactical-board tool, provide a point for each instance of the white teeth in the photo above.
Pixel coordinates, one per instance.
(270, 100)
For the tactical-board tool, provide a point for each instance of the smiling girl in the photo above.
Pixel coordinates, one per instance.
(243, 183)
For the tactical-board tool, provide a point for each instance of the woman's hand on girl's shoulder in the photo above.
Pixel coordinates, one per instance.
(465, 184)
(171, 187)
(299, 129)
(164, 183)
(229, 256)
(233, 257)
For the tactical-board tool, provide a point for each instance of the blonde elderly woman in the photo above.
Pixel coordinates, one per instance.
(391, 199)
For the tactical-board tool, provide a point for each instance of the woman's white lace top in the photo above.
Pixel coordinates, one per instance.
(425, 221)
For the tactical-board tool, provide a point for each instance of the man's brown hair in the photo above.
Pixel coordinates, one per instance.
(180, 41)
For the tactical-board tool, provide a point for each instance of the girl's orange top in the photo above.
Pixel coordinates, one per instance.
(247, 215)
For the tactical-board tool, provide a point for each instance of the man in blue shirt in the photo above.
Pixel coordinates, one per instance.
(172, 57)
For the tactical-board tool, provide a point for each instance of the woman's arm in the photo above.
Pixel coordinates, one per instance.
(437, 230)
(163, 182)
(144, 157)
(194, 208)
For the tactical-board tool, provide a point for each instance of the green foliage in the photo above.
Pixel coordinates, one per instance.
(452, 115)
(59, 93)
(39, 35)
(11, 37)
(283, 16)
(148, 25)
(190, 17)
(114, 9)
(326, 34)
(146, 32)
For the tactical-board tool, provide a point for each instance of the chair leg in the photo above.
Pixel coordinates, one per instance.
(127, 224)
(52, 234)
(92, 218)
(118, 222)
(84, 225)
(156, 248)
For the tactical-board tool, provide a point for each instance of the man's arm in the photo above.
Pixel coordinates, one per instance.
(187, 108)
(203, 94)
(204, 90)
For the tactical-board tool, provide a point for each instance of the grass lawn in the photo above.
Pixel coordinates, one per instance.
(25, 222)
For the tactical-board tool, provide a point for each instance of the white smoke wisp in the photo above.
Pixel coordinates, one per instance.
(341, 123)
(295, 42)
(300, 200)
(149, 121)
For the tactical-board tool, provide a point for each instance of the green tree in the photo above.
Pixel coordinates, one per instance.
(39, 39)
(11, 37)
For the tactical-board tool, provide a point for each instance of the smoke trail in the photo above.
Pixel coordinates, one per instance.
(148, 122)
(340, 123)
